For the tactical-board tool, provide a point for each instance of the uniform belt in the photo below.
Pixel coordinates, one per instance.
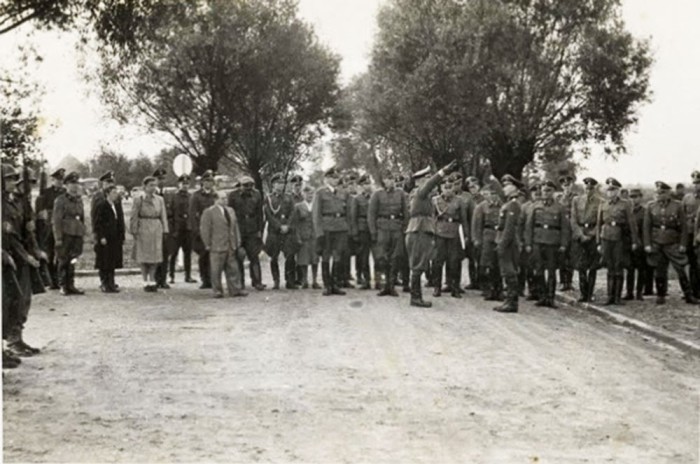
(489, 227)
(616, 224)
(586, 225)
(335, 215)
(149, 217)
(446, 219)
(546, 227)
(391, 216)
(665, 227)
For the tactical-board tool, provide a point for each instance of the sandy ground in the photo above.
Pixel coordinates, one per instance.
(296, 377)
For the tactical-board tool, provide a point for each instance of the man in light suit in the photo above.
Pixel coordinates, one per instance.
(222, 240)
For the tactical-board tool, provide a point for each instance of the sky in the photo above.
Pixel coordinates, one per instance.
(663, 145)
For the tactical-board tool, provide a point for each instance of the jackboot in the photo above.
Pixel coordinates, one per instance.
(437, 280)
(660, 290)
(416, 292)
(551, 289)
(684, 282)
(336, 279)
(326, 277)
(71, 282)
(610, 290)
(629, 285)
(256, 276)
(290, 273)
(512, 291)
(592, 277)
(389, 289)
(583, 286)
(275, 270)
(455, 287)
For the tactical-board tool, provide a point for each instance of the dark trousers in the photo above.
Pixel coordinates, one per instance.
(363, 243)
(546, 260)
(636, 274)
(182, 240)
(204, 268)
(252, 244)
(162, 268)
(331, 246)
(659, 259)
(694, 268)
(449, 254)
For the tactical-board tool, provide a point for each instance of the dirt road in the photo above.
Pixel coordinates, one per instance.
(295, 377)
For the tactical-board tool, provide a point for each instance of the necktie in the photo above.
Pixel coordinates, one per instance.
(227, 216)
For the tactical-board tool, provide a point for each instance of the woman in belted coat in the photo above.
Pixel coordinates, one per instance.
(149, 222)
(109, 230)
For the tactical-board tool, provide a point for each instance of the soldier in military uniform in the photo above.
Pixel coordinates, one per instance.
(387, 218)
(666, 240)
(451, 215)
(348, 184)
(331, 210)
(584, 220)
(638, 266)
(247, 202)
(359, 231)
(566, 266)
(297, 184)
(691, 204)
(484, 237)
(615, 220)
(23, 256)
(546, 237)
(404, 271)
(107, 180)
(281, 237)
(177, 207)
(420, 232)
(44, 223)
(201, 200)
(526, 270)
(471, 252)
(508, 246)
(69, 231)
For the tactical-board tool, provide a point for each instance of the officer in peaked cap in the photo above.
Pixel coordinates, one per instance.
(615, 222)
(331, 210)
(359, 230)
(584, 219)
(180, 237)
(507, 243)
(247, 202)
(297, 183)
(69, 230)
(201, 200)
(566, 267)
(281, 238)
(44, 222)
(638, 267)
(666, 240)
(691, 205)
(546, 237)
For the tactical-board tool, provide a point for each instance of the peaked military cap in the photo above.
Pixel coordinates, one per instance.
(149, 179)
(611, 182)
(363, 179)
(207, 175)
(662, 186)
(695, 176)
(331, 172)
(680, 186)
(635, 192)
(590, 181)
(472, 180)
(507, 178)
(71, 178)
(160, 172)
(535, 186)
(549, 184)
(296, 179)
(566, 178)
(183, 178)
(399, 177)
(58, 173)
(277, 177)
(245, 180)
(422, 173)
(351, 176)
(107, 177)
(9, 171)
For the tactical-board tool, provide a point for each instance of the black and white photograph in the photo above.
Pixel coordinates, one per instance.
(350, 231)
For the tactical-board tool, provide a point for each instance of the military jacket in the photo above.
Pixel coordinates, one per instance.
(359, 211)
(388, 210)
(638, 213)
(249, 210)
(331, 211)
(691, 204)
(547, 224)
(486, 216)
(279, 211)
(12, 229)
(584, 215)
(68, 216)
(508, 223)
(178, 210)
(421, 210)
(665, 223)
(615, 220)
(45, 201)
(697, 227)
(450, 214)
(200, 201)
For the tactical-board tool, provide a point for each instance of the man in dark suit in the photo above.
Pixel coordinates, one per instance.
(108, 181)
(218, 229)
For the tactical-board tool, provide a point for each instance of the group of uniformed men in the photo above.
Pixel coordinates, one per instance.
(514, 238)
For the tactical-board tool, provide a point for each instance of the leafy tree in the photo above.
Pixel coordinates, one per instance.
(507, 80)
(246, 81)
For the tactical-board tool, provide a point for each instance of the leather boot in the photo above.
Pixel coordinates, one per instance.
(290, 273)
(619, 283)
(610, 290)
(592, 277)
(684, 282)
(71, 282)
(326, 277)
(256, 276)
(275, 270)
(389, 289)
(437, 280)
(660, 290)
(583, 286)
(336, 279)
(455, 287)
(512, 291)
(540, 290)
(551, 289)
(416, 293)
(629, 284)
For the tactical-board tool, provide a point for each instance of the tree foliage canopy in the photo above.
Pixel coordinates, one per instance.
(506, 80)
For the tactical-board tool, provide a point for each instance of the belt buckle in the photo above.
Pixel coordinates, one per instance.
(585, 226)
(337, 215)
(663, 227)
(391, 216)
(546, 226)
(450, 220)
(282, 216)
(613, 223)
(77, 218)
